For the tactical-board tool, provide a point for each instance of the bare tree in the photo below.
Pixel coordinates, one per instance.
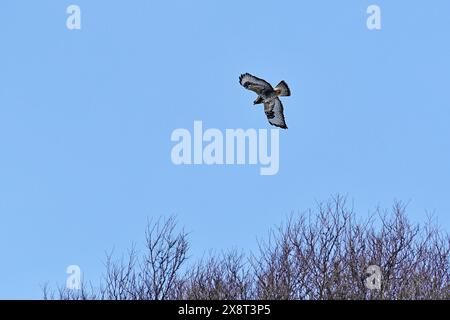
(320, 254)
(224, 277)
(325, 255)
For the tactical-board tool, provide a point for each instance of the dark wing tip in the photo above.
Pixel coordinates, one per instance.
(242, 76)
(280, 126)
(271, 116)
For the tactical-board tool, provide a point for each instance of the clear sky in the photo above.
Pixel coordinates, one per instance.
(86, 118)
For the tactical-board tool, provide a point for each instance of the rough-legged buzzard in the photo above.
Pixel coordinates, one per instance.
(268, 96)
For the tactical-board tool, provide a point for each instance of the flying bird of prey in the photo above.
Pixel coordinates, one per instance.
(269, 96)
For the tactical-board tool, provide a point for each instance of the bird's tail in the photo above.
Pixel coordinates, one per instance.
(282, 89)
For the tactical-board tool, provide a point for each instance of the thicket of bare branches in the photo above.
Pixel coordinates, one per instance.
(320, 254)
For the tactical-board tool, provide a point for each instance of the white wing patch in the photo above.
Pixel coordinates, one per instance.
(274, 113)
(254, 84)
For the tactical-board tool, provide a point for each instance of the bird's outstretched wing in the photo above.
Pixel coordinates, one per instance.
(254, 84)
(274, 113)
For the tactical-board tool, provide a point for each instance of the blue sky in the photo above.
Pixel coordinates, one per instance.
(86, 118)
